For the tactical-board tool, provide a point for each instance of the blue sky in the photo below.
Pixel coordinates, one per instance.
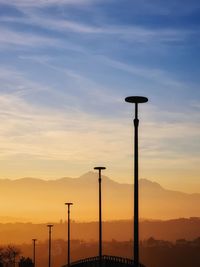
(66, 66)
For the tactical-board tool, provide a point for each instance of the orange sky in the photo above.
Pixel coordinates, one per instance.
(65, 69)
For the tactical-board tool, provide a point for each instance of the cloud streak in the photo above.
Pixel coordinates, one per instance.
(134, 33)
(157, 75)
(13, 38)
(45, 3)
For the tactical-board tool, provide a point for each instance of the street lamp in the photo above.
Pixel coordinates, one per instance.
(49, 226)
(100, 213)
(34, 240)
(68, 220)
(136, 100)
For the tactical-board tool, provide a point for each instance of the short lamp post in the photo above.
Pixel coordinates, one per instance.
(100, 215)
(68, 239)
(49, 226)
(34, 241)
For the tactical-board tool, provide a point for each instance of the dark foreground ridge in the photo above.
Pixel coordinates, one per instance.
(106, 261)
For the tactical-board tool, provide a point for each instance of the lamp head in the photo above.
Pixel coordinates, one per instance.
(99, 168)
(136, 99)
(50, 225)
(68, 203)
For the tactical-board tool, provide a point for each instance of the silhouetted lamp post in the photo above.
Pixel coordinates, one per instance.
(136, 100)
(34, 240)
(100, 217)
(49, 226)
(68, 220)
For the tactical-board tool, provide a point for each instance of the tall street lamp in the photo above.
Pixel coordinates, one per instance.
(136, 100)
(49, 226)
(68, 220)
(100, 217)
(34, 240)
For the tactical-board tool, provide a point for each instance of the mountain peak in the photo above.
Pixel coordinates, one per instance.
(149, 183)
(88, 174)
(92, 176)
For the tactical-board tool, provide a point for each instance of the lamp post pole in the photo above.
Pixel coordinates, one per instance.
(100, 215)
(68, 227)
(49, 226)
(34, 240)
(136, 100)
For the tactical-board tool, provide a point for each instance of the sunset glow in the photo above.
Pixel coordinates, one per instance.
(65, 69)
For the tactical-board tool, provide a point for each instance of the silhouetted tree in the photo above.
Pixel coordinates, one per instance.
(1, 257)
(10, 254)
(25, 262)
(1, 253)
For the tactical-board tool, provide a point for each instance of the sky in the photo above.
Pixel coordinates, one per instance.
(66, 67)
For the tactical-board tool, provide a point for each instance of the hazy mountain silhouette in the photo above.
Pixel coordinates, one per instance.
(41, 200)
(159, 202)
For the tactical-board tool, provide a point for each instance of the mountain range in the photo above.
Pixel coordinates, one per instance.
(36, 200)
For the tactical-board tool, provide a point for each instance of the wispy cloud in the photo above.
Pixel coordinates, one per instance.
(72, 135)
(134, 33)
(22, 122)
(14, 82)
(32, 18)
(156, 7)
(14, 38)
(157, 75)
(84, 85)
(44, 3)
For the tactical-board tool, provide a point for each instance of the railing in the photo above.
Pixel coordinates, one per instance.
(94, 261)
